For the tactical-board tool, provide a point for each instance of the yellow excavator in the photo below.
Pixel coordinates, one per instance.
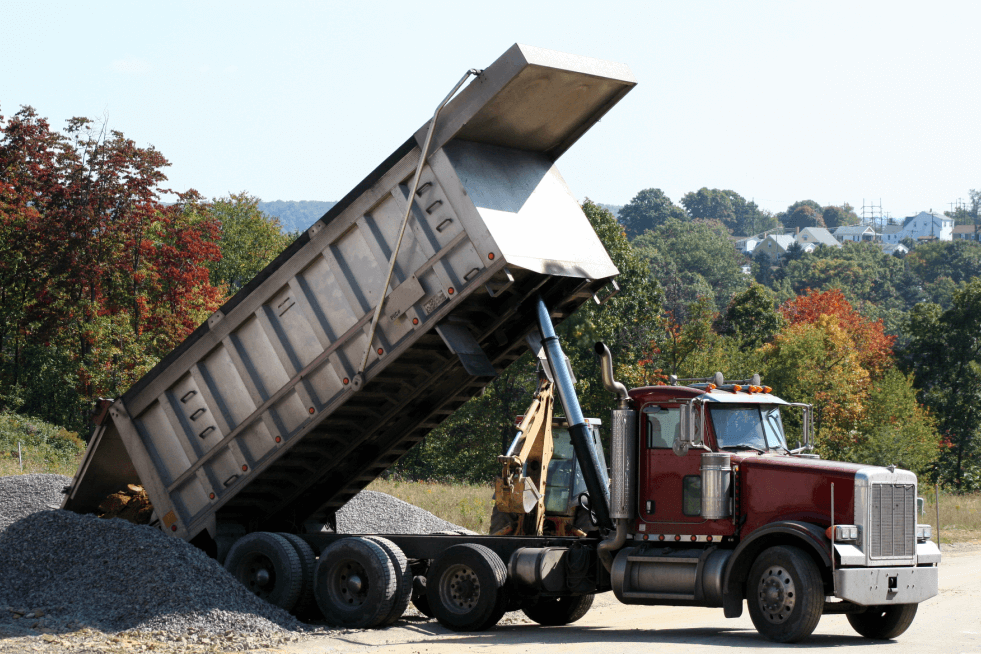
(540, 484)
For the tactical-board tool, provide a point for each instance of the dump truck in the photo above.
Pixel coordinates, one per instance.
(459, 252)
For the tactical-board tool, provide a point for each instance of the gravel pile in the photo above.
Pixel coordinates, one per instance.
(74, 582)
(22, 495)
(371, 512)
(115, 576)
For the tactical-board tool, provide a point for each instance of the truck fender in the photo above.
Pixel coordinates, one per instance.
(802, 534)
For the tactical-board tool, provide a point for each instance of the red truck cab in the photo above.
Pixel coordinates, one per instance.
(725, 509)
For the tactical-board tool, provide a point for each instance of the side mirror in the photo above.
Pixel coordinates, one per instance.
(689, 432)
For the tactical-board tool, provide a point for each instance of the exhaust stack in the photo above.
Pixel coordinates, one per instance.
(623, 451)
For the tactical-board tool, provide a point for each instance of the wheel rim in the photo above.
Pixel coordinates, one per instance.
(459, 589)
(348, 584)
(258, 574)
(776, 594)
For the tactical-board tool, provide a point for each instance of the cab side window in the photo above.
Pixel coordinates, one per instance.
(663, 426)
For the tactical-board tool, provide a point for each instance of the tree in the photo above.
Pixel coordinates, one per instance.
(730, 209)
(751, 317)
(969, 214)
(894, 429)
(783, 215)
(944, 356)
(649, 209)
(688, 258)
(97, 273)
(835, 217)
(817, 362)
(804, 216)
(249, 240)
(874, 345)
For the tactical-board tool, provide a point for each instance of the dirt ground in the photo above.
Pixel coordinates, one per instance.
(949, 623)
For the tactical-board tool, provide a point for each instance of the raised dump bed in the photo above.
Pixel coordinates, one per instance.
(259, 420)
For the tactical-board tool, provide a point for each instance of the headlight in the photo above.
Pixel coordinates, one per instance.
(924, 532)
(844, 533)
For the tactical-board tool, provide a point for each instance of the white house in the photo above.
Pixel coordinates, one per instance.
(893, 248)
(855, 233)
(924, 226)
(748, 244)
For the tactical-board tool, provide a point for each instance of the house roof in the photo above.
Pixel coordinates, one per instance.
(782, 241)
(846, 230)
(818, 235)
(892, 229)
(967, 229)
(926, 215)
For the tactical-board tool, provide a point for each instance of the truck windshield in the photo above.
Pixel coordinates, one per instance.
(754, 427)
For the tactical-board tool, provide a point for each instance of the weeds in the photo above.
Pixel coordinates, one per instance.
(44, 447)
(960, 516)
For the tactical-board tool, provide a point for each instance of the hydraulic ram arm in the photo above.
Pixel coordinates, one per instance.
(582, 443)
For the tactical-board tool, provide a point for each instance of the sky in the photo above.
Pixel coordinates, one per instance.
(872, 103)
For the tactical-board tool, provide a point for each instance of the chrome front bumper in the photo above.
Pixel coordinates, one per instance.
(874, 586)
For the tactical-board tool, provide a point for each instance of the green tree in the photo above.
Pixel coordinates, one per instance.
(804, 216)
(894, 429)
(944, 355)
(249, 240)
(835, 217)
(751, 317)
(692, 256)
(783, 215)
(739, 216)
(649, 209)
(969, 214)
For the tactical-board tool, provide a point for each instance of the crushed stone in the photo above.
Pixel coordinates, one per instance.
(371, 512)
(82, 583)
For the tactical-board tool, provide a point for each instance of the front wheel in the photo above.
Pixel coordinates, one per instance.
(785, 594)
(465, 588)
(883, 622)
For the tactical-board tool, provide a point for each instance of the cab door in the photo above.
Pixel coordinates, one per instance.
(670, 485)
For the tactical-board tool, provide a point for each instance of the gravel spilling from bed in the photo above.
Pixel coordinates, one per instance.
(69, 573)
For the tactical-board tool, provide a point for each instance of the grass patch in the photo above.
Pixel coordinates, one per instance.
(960, 516)
(467, 505)
(44, 447)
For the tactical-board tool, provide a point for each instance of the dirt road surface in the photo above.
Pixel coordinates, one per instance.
(947, 624)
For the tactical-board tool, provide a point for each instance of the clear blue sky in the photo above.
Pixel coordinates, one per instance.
(779, 101)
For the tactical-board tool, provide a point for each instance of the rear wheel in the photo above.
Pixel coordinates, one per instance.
(465, 588)
(557, 611)
(306, 605)
(268, 566)
(785, 594)
(883, 622)
(403, 590)
(355, 583)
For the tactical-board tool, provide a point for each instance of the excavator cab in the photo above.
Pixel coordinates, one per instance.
(541, 481)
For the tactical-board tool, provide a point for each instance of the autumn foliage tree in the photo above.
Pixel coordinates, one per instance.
(96, 273)
(865, 409)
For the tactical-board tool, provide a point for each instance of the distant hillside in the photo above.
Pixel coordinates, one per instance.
(296, 215)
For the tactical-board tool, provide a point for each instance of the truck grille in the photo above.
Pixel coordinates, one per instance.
(892, 528)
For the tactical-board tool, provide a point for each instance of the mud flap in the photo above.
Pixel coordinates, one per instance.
(732, 603)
